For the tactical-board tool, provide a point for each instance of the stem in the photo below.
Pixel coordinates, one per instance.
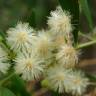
(86, 44)
(85, 35)
(93, 83)
(7, 78)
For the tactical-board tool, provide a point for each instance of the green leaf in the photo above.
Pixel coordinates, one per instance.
(55, 93)
(18, 86)
(6, 92)
(38, 14)
(86, 10)
(73, 7)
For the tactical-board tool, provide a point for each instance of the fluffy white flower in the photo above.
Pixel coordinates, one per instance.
(43, 45)
(4, 65)
(60, 22)
(65, 80)
(29, 66)
(58, 78)
(20, 37)
(67, 56)
(78, 83)
(58, 41)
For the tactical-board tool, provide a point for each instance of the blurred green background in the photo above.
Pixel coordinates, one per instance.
(33, 11)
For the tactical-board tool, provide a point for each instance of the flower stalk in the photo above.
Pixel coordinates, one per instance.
(7, 78)
(84, 45)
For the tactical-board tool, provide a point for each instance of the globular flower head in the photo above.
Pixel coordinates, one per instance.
(60, 22)
(43, 44)
(58, 78)
(20, 37)
(78, 83)
(66, 80)
(58, 41)
(67, 56)
(4, 65)
(29, 65)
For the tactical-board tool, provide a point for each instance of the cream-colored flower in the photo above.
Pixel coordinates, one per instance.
(67, 56)
(66, 80)
(4, 65)
(21, 37)
(29, 65)
(58, 78)
(78, 83)
(43, 45)
(58, 41)
(60, 22)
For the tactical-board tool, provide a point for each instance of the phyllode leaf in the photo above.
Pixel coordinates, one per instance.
(87, 12)
(6, 92)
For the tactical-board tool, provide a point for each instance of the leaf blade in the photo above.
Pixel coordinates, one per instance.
(6, 92)
(87, 12)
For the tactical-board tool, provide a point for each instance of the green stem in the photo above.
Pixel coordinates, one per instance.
(92, 83)
(85, 35)
(85, 44)
(7, 78)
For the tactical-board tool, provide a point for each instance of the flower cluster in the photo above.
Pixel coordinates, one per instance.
(64, 80)
(46, 53)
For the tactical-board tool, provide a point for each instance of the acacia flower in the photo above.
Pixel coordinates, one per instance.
(58, 41)
(60, 22)
(58, 78)
(43, 44)
(78, 83)
(29, 65)
(21, 37)
(67, 56)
